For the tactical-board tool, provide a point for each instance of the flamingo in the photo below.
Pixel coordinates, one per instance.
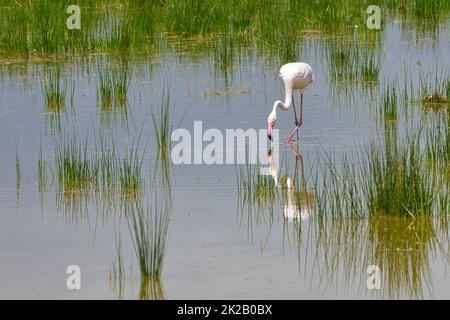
(295, 75)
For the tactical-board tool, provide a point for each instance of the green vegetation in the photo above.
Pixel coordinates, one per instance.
(101, 169)
(389, 103)
(75, 168)
(393, 182)
(42, 171)
(53, 91)
(37, 27)
(113, 83)
(162, 126)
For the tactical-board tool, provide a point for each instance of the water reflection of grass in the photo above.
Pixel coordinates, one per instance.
(257, 197)
(342, 249)
(149, 232)
(254, 188)
(18, 170)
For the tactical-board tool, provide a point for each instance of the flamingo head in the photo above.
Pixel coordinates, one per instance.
(271, 120)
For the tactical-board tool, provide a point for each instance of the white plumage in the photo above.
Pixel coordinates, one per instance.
(295, 75)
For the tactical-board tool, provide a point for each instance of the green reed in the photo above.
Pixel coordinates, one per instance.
(53, 90)
(163, 125)
(389, 103)
(105, 89)
(37, 27)
(75, 167)
(113, 84)
(42, 171)
(129, 172)
(391, 181)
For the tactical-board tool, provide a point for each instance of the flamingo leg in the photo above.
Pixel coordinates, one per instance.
(299, 123)
(295, 112)
(301, 110)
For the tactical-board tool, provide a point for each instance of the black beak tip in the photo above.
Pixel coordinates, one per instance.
(270, 137)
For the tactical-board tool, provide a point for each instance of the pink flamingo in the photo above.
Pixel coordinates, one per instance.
(296, 75)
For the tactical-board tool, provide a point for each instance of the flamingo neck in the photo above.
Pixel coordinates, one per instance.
(287, 101)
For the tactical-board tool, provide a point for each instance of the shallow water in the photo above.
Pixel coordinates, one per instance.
(215, 249)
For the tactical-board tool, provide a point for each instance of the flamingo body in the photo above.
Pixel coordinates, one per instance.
(297, 75)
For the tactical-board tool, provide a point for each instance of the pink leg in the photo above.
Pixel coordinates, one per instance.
(295, 112)
(298, 124)
(301, 110)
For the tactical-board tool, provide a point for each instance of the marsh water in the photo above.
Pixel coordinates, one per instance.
(219, 245)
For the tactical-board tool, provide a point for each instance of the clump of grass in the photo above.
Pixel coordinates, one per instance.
(162, 126)
(434, 93)
(129, 172)
(75, 169)
(149, 233)
(399, 183)
(348, 63)
(53, 90)
(42, 171)
(370, 69)
(113, 86)
(394, 182)
(105, 90)
(120, 82)
(389, 103)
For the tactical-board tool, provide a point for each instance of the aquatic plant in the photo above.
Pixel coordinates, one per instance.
(389, 103)
(42, 171)
(162, 125)
(391, 181)
(74, 167)
(134, 27)
(53, 90)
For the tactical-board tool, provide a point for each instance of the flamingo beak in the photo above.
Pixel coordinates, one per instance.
(269, 130)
